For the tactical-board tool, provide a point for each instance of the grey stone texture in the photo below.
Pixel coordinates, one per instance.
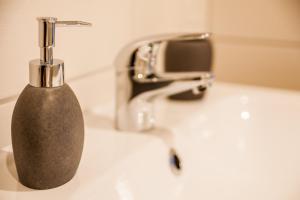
(47, 136)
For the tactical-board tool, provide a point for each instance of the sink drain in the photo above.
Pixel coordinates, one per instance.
(175, 162)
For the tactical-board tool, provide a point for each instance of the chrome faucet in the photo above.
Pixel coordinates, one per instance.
(141, 77)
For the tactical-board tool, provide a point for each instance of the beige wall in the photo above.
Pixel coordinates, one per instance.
(257, 42)
(84, 50)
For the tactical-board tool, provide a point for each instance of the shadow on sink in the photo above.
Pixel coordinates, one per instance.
(8, 176)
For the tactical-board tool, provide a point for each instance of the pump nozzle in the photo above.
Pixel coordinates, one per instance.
(47, 27)
(47, 72)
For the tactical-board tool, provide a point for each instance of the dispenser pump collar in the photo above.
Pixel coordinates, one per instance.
(49, 72)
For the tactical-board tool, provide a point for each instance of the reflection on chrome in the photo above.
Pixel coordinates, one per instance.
(123, 191)
(245, 115)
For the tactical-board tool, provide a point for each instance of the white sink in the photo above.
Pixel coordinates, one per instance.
(238, 143)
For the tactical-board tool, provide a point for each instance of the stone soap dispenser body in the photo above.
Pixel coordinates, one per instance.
(47, 136)
(47, 123)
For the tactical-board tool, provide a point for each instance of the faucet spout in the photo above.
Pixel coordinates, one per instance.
(142, 76)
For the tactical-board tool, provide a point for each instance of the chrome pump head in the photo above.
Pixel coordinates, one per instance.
(46, 71)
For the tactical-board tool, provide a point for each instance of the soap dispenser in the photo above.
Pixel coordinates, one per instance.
(47, 123)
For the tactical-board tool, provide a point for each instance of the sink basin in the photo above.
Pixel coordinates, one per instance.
(238, 143)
